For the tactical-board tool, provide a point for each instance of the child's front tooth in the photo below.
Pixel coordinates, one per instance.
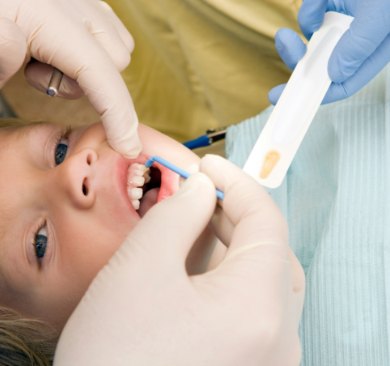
(139, 172)
(137, 181)
(135, 193)
(135, 204)
(139, 167)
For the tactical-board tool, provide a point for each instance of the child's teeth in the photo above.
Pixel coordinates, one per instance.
(135, 204)
(135, 193)
(138, 175)
(137, 181)
(139, 168)
(135, 175)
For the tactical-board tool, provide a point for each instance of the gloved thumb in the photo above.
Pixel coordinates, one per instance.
(13, 47)
(169, 229)
(290, 47)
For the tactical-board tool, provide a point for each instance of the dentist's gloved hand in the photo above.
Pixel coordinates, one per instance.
(86, 41)
(144, 309)
(361, 53)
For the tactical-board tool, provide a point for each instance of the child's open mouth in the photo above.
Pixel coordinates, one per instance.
(148, 186)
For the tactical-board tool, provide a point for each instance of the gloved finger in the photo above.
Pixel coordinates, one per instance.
(38, 75)
(289, 46)
(311, 16)
(247, 205)
(115, 48)
(222, 226)
(108, 37)
(359, 42)
(261, 268)
(275, 93)
(112, 102)
(168, 230)
(14, 48)
(81, 58)
(371, 67)
(123, 33)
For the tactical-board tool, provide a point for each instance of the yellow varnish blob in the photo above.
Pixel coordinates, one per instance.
(270, 161)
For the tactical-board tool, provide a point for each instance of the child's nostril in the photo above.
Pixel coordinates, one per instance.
(85, 188)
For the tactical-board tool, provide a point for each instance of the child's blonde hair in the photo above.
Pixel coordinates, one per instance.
(25, 341)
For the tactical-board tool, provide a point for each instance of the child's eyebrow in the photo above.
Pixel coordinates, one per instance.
(7, 210)
(5, 218)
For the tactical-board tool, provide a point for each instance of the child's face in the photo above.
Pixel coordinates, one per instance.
(61, 221)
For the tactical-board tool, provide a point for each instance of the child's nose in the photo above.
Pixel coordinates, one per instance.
(76, 177)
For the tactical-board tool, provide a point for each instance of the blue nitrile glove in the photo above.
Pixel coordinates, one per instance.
(360, 54)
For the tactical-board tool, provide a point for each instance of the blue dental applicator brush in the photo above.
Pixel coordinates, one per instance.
(175, 169)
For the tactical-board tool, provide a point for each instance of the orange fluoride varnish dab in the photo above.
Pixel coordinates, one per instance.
(270, 161)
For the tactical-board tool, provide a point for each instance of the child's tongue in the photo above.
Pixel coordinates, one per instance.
(169, 185)
(148, 201)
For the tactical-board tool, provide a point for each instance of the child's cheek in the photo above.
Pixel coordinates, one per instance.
(169, 182)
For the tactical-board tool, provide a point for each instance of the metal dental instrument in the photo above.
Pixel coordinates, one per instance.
(207, 139)
(283, 133)
(54, 83)
(177, 170)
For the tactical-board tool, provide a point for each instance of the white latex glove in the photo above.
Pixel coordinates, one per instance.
(88, 43)
(143, 308)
